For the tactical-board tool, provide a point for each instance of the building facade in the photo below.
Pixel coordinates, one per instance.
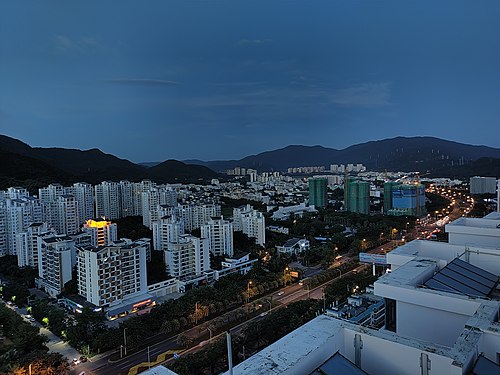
(318, 192)
(108, 275)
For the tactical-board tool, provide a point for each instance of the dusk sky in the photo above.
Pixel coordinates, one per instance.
(153, 80)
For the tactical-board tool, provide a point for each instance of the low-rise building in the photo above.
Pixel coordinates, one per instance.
(294, 246)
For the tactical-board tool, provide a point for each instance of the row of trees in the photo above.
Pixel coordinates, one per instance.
(213, 358)
(329, 274)
(345, 286)
(89, 332)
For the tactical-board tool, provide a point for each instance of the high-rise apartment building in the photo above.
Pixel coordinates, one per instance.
(28, 243)
(483, 185)
(15, 217)
(108, 275)
(56, 258)
(219, 233)
(165, 230)
(66, 218)
(84, 195)
(189, 257)
(102, 232)
(405, 199)
(357, 196)
(251, 222)
(108, 200)
(154, 197)
(317, 192)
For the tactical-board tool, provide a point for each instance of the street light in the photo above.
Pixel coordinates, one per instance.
(270, 305)
(125, 339)
(210, 331)
(248, 290)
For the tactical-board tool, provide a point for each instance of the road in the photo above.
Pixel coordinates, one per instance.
(162, 352)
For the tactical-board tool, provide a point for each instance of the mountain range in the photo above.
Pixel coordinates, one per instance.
(21, 164)
(423, 154)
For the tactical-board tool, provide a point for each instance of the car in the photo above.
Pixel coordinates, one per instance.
(301, 283)
(281, 293)
(83, 359)
(263, 314)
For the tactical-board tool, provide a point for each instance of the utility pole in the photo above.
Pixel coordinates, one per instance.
(125, 339)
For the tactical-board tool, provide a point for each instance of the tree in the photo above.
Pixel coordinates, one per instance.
(184, 340)
(89, 325)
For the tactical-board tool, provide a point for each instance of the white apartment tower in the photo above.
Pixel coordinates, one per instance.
(56, 258)
(67, 221)
(108, 200)
(150, 201)
(127, 201)
(166, 229)
(84, 195)
(28, 243)
(219, 233)
(189, 257)
(102, 232)
(109, 274)
(15, 217)
(251, 222)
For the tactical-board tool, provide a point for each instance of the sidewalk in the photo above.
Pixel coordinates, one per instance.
(55, 344)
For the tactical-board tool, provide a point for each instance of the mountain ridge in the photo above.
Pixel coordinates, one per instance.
(91, 165)
(422, 154)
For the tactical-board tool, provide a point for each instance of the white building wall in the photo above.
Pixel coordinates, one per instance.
(84, 194)
(420, 322)
(380, 357)
(219, 233)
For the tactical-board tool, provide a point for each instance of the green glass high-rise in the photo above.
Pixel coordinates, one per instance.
(317, 192)
(357, 197)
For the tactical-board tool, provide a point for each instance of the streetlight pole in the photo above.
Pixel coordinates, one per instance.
(149, 359)
(248, 290)
(210, 332)
(125, 339)
(196, 313)
(324, 300)
(270, 305)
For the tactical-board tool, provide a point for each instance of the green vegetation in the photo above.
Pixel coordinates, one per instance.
(348, 284)
(50, 315)
(213, 358)
(24, 345)
(17, 280)
(132, 227)
(436, 202)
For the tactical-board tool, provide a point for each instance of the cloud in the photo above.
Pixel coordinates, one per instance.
(368, 95)
(82, 45)
(253, 42)
(142, 82)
